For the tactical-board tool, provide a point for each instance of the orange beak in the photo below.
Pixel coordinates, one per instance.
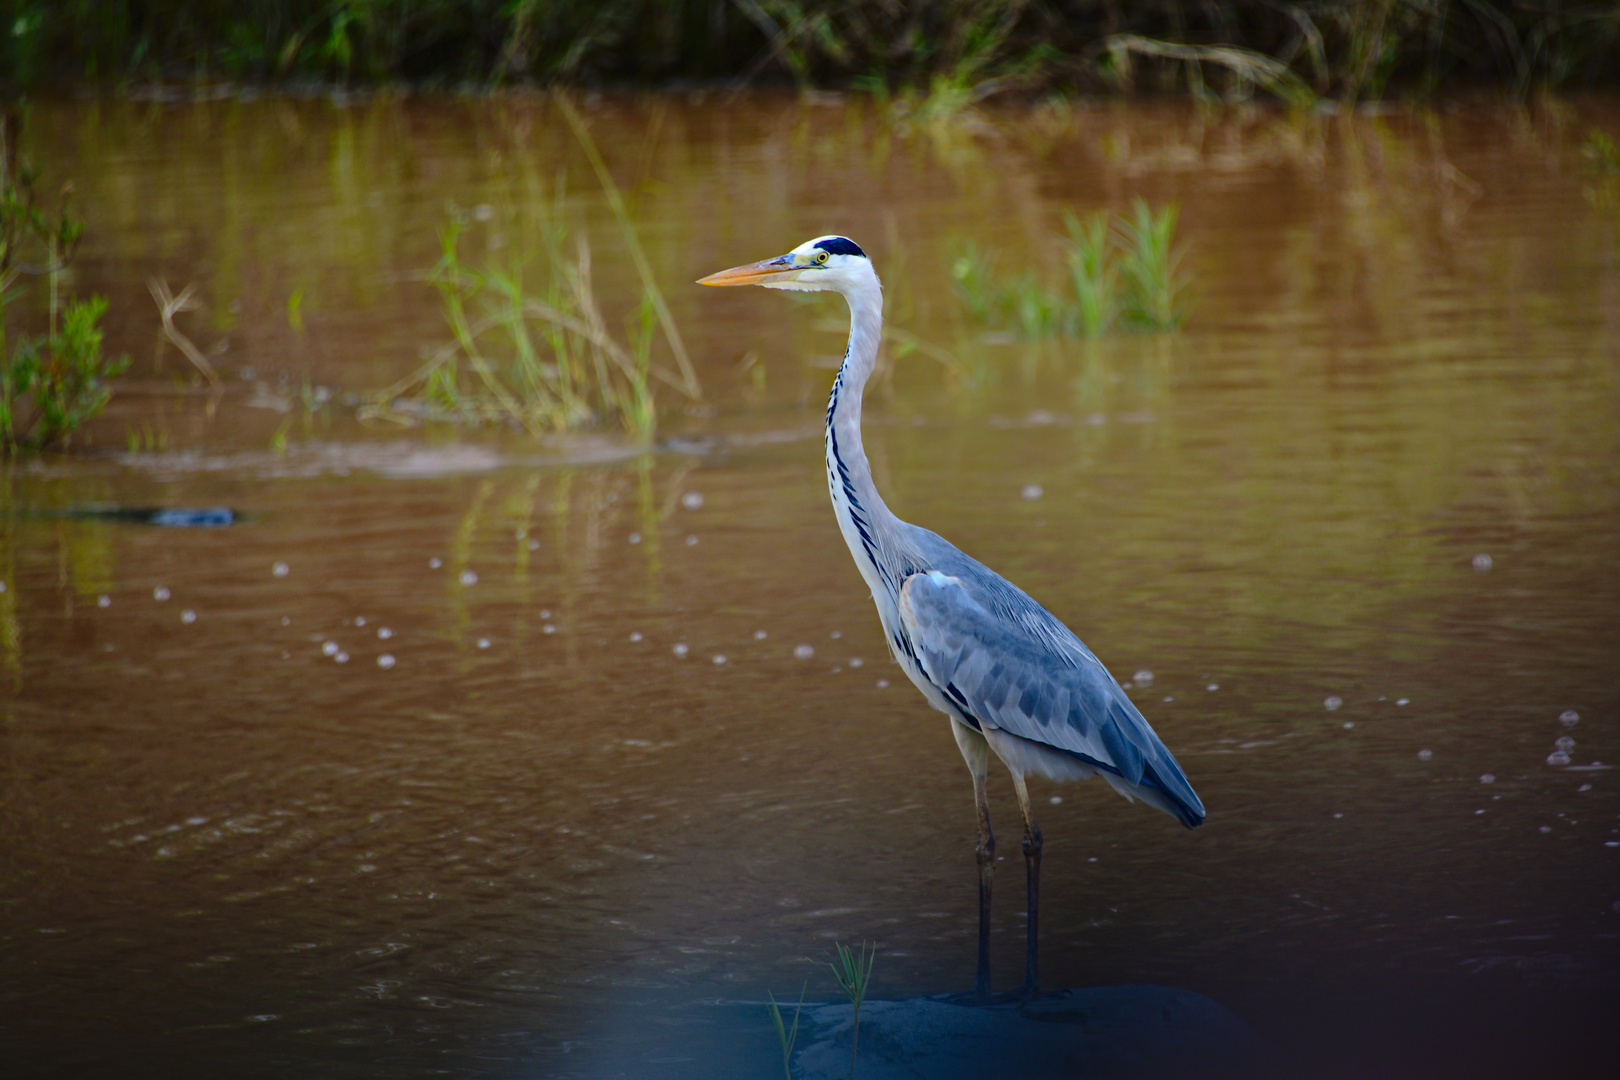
(753, 273)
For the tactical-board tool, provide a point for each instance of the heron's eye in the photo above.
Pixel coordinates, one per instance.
(821, 257)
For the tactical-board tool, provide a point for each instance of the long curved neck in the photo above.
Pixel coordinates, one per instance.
(863, 517)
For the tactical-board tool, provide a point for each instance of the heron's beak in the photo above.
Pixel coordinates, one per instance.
(759, 273)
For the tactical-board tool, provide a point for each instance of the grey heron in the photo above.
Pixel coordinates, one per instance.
(1014, 680)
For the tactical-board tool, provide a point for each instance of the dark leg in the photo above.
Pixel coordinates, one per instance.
(1032, 871)
(977, 755)
(986, 852)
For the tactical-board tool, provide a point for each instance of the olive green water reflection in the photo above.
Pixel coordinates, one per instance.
(559, 811)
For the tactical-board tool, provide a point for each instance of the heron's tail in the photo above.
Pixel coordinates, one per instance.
(1174, 795)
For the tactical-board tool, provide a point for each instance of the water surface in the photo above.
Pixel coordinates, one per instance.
(595, 785)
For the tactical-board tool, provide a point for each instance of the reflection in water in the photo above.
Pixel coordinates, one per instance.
(218, 844)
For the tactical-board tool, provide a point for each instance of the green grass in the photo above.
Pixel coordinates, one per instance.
(853, 971)
(1122, 273)
(1091, 273)
(1149, 268)
(787, 1036)
(529, 344)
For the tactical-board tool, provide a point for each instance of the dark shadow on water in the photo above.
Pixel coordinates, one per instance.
(1103, 1031)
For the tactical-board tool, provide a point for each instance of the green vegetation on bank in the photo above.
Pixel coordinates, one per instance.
(50, 384)
(950, 50)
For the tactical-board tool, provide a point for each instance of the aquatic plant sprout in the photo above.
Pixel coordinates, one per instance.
(1122, 273)
(787, 1036)
(853, 972)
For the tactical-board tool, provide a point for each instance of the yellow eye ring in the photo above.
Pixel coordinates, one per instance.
(821, 256)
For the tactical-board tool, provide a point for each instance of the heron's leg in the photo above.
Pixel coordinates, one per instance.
(977, 755)
(1032, 869)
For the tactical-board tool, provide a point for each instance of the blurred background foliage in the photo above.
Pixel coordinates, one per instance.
(1346, 49)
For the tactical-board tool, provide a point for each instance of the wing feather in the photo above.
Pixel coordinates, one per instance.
(1044, 686)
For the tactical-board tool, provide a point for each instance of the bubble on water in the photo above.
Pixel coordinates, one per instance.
(330, 648)
(469, 577)
(3, 586)
(188, 616)
(1330, 703)
(384, 633)
(1057, 800)
(1564, 742)
(635, 635)
(719, 658)
(435, 562)
(160, 593)
(1487, 778)
(286, 620)
(1213, 686)
(836, 634)
(1032, 492)
(483, 211)
(1482, 562)
(804, 652)
(1402, 701)
(1143, 678)
(1558, 757)
(1584, 787)
(341, 657)
(548, 629)
(691, 541)
(635, 538)
(1338, 815)
(1546, 828)
(534, 545)
(1348, 724)
(359, 620)
(1479, 811)
(483, 643)
(856, 661)
(760, 635)
(1168, 699)
(837, 668)
(545, 613)
(281, 569)
(1569, 718)
(883, 684)
(385, 661)
(1425, 755)
(692, 500)
(104, 600)
(680, 649)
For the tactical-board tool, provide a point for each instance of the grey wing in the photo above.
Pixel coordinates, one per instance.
(1001, 674)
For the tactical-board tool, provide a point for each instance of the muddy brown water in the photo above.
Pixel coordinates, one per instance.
(598, 791)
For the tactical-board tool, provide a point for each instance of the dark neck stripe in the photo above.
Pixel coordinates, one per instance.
(839, 478)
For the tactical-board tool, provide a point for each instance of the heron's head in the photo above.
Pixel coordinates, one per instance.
(825, 264)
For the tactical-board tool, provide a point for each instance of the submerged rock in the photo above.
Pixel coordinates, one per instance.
(1104, 1031)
